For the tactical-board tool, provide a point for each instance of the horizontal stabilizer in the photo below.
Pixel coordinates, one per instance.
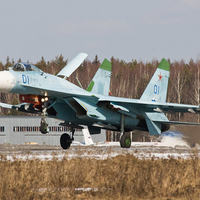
(175, 122)
(154, 122)
(153, 127)
(72, 65)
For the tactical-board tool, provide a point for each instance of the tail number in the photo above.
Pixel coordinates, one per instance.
(156, 89)
(25, 79)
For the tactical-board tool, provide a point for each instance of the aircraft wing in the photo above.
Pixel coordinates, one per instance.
(152, 112)
(9, 106)
(58, 93)
(24, 107)
(129, 104)
(72, 65)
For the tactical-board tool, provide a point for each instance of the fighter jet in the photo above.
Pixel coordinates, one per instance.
(55, 97)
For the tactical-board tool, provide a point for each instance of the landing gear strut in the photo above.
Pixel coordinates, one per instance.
(125, 139)
(43, 124)
(66, 139)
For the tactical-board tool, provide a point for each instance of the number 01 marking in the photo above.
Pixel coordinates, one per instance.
(156, 89)
(25, 79)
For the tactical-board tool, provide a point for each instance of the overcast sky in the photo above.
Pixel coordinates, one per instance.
(128, 29)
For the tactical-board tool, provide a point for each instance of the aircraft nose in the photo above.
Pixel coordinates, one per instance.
(7, 81)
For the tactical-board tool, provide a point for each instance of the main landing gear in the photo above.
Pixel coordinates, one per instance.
(66, 139)
(125, 139)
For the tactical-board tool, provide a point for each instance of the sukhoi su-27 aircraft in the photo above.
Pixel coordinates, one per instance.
(40, 92)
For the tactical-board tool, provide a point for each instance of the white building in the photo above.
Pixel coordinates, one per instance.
(26, 130)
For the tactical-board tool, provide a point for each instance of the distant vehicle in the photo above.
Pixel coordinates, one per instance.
(43, 93)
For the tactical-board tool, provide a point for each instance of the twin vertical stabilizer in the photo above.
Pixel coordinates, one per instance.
(100, 84)
(157, 87)
(156, 91)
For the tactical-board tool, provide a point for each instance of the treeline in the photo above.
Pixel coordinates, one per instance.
(129, 79)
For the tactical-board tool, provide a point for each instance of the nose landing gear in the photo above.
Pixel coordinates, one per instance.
(43, 124)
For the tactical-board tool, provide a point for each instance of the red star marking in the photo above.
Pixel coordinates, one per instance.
(160, 77)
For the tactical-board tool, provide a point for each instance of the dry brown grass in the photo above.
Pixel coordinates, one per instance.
(121, 177)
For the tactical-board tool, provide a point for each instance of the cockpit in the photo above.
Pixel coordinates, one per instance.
(25, 67)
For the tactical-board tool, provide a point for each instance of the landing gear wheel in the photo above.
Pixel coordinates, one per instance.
(125, 141)
(65, 141)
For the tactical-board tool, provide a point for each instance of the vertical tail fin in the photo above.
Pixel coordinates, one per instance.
(100, 83)
(156, 90)
(87, 137)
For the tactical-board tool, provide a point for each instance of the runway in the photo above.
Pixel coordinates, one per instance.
(145, 151)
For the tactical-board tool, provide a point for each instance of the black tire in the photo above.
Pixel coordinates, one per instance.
(125, 141)
(65, 141)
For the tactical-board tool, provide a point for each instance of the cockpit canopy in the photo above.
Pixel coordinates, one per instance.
(25, 67)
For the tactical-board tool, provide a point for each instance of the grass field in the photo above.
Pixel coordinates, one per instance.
(120, 177)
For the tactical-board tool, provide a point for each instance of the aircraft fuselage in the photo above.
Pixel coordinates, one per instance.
(61, 91)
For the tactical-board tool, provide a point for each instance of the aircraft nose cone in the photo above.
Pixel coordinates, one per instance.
(7, 81)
